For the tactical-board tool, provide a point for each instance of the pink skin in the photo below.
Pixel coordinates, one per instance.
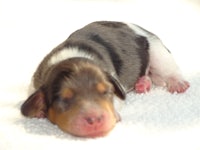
(93, 125)
(179, 86)
(173, 85)
(143, 84)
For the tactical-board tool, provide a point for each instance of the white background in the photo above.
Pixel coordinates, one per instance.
(29, 29)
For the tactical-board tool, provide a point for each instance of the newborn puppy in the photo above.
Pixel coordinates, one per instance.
(75, 84)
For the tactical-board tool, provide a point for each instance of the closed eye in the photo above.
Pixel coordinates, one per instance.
(107, 92)
(62, 105)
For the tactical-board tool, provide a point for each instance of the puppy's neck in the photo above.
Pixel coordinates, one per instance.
(77, 64)
(68, 53)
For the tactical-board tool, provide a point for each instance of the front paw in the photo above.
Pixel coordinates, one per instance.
(143, 84)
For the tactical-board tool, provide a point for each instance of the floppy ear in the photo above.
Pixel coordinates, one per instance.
(119, 90)
(35, 105)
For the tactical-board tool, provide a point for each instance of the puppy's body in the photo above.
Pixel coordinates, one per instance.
(115, 47)
(75, 83)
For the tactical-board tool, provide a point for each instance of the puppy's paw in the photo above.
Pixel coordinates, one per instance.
(143, 84)
(177, 85)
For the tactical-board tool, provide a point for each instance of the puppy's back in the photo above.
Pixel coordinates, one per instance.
(112, 45)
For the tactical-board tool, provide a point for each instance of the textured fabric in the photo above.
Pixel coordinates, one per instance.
(157, 120)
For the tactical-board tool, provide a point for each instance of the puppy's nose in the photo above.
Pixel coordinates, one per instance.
(94, 120)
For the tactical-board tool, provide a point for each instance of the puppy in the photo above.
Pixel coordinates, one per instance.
(75, 84)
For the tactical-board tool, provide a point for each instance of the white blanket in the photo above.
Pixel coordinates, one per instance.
(157, 120)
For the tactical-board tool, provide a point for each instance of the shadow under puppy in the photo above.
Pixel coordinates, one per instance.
(75, 84)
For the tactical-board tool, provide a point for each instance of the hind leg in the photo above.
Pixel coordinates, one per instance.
(163, 69)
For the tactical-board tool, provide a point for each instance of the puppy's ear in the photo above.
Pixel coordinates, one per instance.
(35, 105)
(119, 90)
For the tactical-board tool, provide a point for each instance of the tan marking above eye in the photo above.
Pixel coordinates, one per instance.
(101, 87)
(67, 93)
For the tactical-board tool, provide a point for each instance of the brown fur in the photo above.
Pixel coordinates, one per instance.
(77, 93)
(74, 88)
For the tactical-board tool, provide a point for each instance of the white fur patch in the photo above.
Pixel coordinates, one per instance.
(66, 54)
(161, 61)
(31, 88)
(137, 30)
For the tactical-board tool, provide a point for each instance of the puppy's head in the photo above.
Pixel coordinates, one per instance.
(78, 97)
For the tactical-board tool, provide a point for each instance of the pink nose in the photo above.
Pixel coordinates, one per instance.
(93, 124)
(94, 120)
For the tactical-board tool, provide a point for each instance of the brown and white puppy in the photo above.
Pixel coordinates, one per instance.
(75, 84)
